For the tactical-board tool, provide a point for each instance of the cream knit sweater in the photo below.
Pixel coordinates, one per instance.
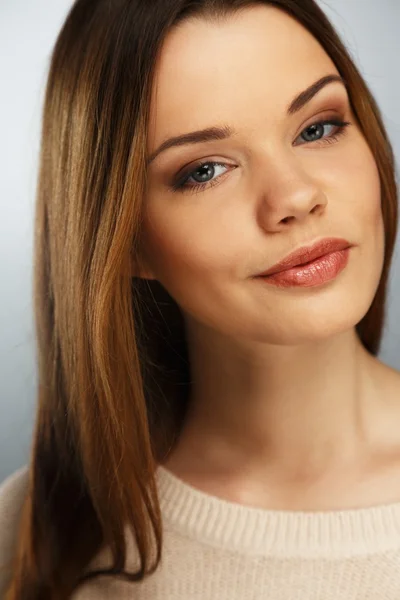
(219, 550)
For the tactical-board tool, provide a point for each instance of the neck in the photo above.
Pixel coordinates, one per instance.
(310, 407)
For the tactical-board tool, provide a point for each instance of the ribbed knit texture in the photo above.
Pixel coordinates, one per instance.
(219, 550)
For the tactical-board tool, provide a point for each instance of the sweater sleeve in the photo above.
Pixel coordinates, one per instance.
(12, 495)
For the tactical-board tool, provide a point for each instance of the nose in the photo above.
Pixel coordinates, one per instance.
(287, 193)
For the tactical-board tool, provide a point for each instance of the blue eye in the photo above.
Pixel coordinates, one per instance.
(201, 172)
(207, 169)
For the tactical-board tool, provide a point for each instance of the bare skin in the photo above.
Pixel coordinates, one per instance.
(368, 477)
(287, 410)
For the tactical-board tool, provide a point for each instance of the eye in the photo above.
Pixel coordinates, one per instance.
(201, 174)
(205, 174)
(317, 128)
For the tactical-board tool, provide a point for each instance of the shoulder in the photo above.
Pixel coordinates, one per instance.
(12, 494)
(13, 487)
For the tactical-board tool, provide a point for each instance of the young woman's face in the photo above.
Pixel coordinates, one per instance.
(274, 185)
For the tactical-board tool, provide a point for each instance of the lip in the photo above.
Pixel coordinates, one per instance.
(307, 254)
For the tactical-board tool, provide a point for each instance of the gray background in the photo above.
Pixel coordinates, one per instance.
(28, 29)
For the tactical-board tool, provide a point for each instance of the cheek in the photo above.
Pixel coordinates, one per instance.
(365, 222)
(198, 237)
(356, 192)
(362, 178)
(181, 249)
(188, 262)
(368, 201)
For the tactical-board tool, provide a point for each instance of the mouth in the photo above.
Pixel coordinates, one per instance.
(307, 254)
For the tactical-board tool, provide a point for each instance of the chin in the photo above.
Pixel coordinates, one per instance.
(317, 322)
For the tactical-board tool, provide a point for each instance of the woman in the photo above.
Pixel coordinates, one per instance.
(206, 430)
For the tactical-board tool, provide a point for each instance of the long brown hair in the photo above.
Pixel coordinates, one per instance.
(113, 369)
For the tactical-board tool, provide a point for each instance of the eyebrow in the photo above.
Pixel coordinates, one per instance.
(224, 132)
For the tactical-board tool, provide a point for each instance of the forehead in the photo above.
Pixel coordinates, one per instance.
(208, 71)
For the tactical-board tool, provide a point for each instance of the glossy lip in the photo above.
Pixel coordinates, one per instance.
(307, 254)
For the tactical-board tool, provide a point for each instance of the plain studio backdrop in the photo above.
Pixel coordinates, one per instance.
(28, 29)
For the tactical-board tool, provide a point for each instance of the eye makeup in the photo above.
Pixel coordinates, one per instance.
(181, 183)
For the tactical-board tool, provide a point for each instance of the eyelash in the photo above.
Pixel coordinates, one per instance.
(180, 185)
